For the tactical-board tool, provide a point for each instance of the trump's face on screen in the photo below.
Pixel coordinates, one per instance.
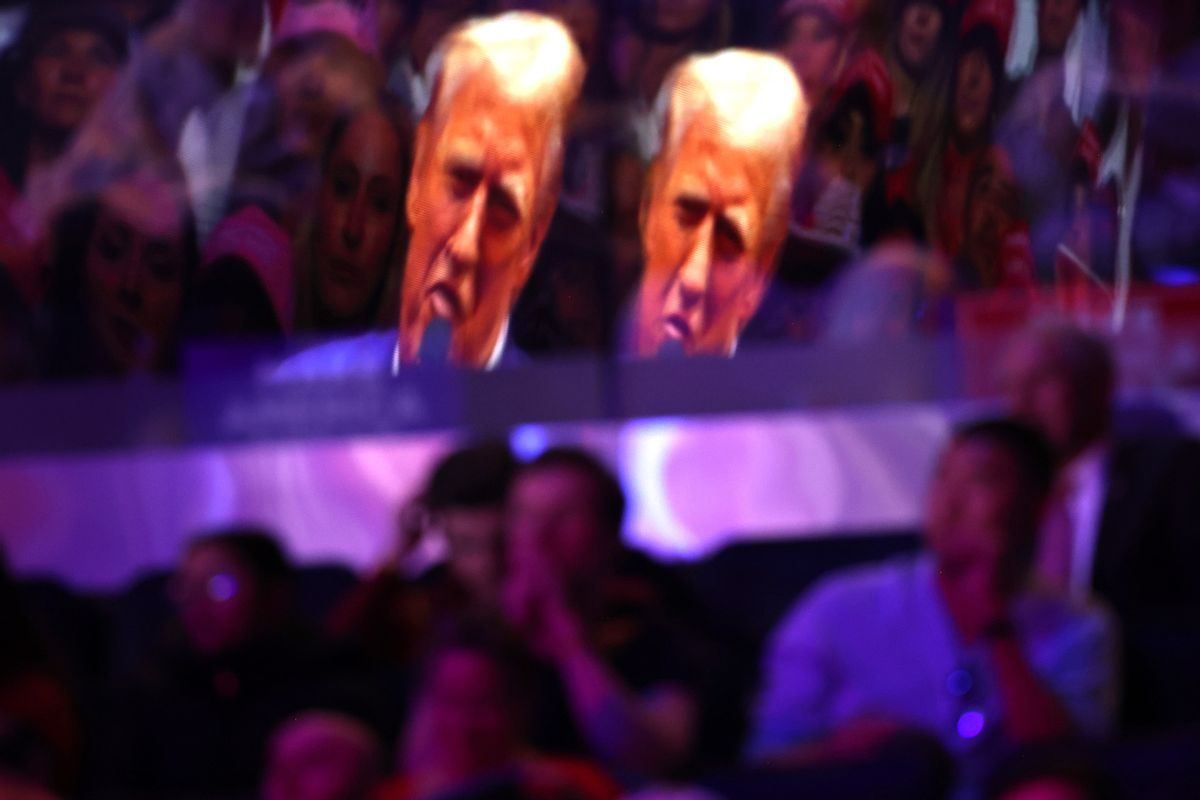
(714, 216)
(487, 166)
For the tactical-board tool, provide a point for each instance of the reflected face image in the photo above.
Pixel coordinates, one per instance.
(477, 216)
(359, 217)
(318, 81)
(134, 276)
(705, 244)
(1056, 22)
(918, 35)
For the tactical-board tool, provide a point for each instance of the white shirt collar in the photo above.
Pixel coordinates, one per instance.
(493, 360)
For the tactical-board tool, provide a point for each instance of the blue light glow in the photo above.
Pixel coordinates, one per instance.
(529, 441)
(971, 724)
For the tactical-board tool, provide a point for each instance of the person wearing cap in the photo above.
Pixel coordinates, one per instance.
(716, 203)
(486, 174)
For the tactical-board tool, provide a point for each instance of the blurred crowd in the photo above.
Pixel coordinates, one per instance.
(1039, 639)
(181, 171)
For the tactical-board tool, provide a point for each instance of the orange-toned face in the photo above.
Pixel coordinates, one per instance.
(478, 216)
(709, 247)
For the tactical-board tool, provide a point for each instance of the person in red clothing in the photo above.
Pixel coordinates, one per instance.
(938, 179)
(919, 55)
(996, 253)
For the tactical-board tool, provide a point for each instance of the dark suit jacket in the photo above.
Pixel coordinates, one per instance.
(1147, 568)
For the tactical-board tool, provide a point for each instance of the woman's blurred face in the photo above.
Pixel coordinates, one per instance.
(134, 275)
(68, 76)
(214, 596)
(359, 213)
(918, 35)
(469, 714)
(973, 93)
(814, 49)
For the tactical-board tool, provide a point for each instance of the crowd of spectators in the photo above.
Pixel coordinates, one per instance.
(1041, 642)
(181, 171)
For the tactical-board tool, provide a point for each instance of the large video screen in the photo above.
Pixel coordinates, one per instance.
(331, 190)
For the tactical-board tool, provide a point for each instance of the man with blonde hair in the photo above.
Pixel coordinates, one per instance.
(487, 169)
(487, 166)
(714, 216)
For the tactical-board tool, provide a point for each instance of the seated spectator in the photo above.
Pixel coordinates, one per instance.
(198, 718)
(473, 239)
(466, 736)
(323, 68)
(461, 509)
(620, 670)
(40, 736)
(955, 643)
(65, 59)
(319, 755)
(841, 198)
(1125, 511)
(350, 266)
(1150, 167)
(937, 180)
(119, 280)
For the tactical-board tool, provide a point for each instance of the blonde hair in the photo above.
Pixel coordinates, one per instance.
(756, 103)
(535, 62)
